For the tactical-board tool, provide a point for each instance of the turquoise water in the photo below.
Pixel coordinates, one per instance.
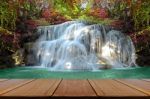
(29, 72)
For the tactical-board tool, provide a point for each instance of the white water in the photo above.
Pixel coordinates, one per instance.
(77, 45)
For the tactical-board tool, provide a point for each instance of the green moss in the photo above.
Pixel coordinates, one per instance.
(95, 20)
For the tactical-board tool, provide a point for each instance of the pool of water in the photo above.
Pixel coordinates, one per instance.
(30, 72)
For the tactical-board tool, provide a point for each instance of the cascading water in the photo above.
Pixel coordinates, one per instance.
(77, 45)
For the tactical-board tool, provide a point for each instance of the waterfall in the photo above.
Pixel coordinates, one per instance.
(78, 45)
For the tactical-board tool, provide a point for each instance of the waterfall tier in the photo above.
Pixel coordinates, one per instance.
(77, 45)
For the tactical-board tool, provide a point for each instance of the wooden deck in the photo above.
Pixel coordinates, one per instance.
(74, 88)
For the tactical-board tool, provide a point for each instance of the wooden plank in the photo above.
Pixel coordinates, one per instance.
(40, 87)
(51, 91)
(140, 85)
(74, 88)
(113, 88)
(9, 85)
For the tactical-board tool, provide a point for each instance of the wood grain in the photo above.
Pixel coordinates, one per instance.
(40, 87)
(74, 88)
(58, 87)
(9, 85)
(140, 85)
(113, 88)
